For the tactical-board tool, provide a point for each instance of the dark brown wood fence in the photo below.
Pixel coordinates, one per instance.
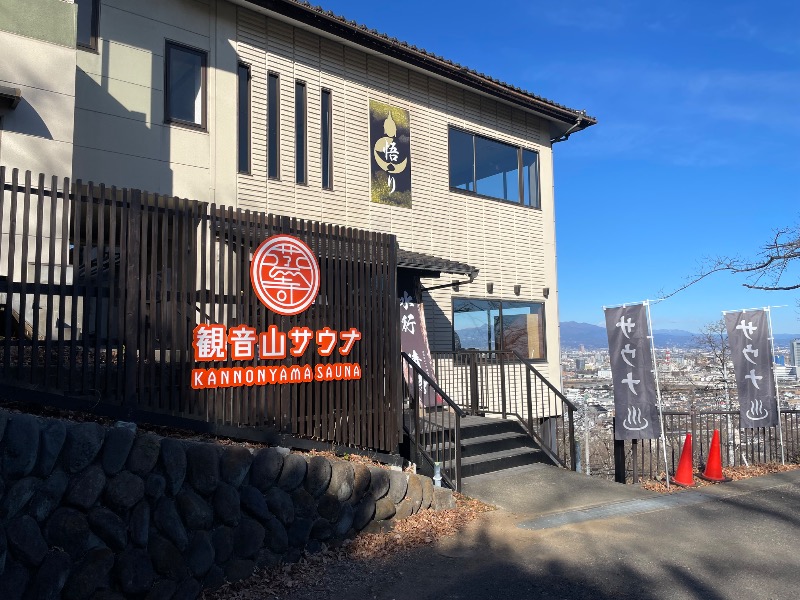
(101, 288)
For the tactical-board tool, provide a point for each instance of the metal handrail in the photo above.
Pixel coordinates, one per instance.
(552, 388)
(452, 471)
(571, 408)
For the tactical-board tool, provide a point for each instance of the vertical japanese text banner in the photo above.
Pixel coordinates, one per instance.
(751, 353)
(414, 342)
(635, 397)
(390, 154)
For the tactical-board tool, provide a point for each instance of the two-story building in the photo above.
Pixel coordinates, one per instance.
(281, 107)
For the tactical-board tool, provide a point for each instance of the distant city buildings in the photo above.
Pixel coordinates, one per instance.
(794, 353)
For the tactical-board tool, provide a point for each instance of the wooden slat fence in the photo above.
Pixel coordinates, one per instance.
(101, 289)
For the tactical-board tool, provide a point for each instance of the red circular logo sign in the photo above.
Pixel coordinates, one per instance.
(285, 274)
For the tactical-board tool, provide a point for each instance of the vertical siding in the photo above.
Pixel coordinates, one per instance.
(251, 46)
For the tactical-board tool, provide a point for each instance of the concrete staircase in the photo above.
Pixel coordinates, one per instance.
(489, 445)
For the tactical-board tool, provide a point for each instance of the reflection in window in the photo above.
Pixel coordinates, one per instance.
(462, 160)
(522, 327)
(499, 325)
(493, 169)
(472, 324)
(496, 169)
(185, 94)
(530, 178)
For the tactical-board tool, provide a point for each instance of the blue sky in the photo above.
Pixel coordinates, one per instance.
(697, 150)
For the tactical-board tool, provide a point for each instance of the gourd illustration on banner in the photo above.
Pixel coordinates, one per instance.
(285, 276)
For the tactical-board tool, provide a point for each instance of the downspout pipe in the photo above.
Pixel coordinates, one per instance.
(565, 136)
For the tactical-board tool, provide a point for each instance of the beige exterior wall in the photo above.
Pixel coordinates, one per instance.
(121, 139)
(37, 56)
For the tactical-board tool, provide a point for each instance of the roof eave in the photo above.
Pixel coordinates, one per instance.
(394, 49)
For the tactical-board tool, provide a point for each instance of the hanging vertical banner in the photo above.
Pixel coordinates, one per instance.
(635, 397)
(414, 342)
(751, 352)
(390, 150)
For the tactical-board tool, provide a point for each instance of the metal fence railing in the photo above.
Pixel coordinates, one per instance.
(644, 459)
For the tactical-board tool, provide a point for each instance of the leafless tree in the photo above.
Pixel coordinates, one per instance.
(768, 270)
(713, 340)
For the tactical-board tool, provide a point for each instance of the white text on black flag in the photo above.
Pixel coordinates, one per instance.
(751, 353)
(635, 397)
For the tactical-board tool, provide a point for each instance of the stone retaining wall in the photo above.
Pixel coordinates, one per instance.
(89, 512)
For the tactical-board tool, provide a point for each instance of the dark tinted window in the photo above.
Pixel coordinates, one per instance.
(327, 159)
(300, 131)
(493, 169)
(530, 178)
(88, 18)
(185, 93)
(462, 161)
(273, 121)
(244, 118)
(496, 169)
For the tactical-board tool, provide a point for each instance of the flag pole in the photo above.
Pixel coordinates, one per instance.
(775, 380)
(658, 389)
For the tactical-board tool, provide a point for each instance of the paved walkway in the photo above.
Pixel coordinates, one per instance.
(572, 537)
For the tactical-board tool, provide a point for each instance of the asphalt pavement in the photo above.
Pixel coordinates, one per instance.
(560, 535)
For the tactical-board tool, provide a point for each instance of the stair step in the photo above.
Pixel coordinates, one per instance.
(472, 427)
(485, 444)
(497, 461)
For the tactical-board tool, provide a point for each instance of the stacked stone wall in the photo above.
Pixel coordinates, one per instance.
(89, 512)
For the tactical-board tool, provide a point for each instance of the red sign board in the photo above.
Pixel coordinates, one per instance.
(285, 276)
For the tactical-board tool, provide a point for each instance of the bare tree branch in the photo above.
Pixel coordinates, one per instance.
(764, 272)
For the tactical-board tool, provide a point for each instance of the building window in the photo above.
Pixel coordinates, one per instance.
(88, 21)
(500, 325)
(300, 131)
(327, 150)
(244, 118)
(530, 178)
(493, 169)
(185, 89)
(273, 126)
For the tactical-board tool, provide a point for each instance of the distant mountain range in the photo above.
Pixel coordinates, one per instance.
(594, 337)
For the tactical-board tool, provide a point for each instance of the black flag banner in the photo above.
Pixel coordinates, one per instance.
(751, 353)
(635, 397)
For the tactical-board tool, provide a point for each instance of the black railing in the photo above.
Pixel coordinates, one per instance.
(550, 417)
(510, 385)
(433, 423)
(644, 459)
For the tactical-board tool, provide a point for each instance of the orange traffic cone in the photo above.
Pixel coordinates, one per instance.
(683, 476)
(713, 470)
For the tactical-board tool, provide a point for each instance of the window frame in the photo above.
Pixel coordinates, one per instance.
(248, 118)
(300, 84)
(95, 26)
(274, 111)
(500, 302)
(326, 132)
(520, 170)
(203, 125)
